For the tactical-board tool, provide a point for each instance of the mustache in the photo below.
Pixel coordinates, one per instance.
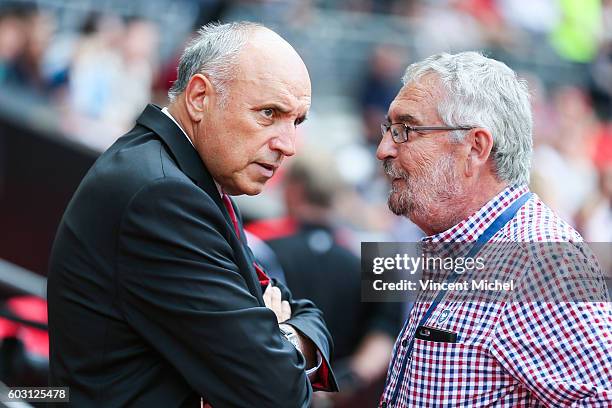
(393, 172)
(274, 159)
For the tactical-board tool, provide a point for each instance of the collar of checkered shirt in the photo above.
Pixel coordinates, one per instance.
(473, 226)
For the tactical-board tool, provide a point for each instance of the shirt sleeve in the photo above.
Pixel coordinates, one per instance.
(561, 352)
(555, 337)
(311, 371)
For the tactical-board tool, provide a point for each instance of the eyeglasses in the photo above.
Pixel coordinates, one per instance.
(400, 132)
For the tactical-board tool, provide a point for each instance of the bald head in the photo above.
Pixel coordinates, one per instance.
(266, 47)
(223, 52)
(269, 62)
(241, 92)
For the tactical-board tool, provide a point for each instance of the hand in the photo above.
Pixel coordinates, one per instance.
(273, 301)
(371, 360)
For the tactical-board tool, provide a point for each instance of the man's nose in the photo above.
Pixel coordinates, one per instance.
(284, 142)
(387, 148)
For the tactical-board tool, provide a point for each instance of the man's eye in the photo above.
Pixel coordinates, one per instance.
(268, 113)
(299, 121)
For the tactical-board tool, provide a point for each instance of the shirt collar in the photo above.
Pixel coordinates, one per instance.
(167, 113)
(473, 226)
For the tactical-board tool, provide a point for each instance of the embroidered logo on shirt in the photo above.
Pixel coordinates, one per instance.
(444, 316)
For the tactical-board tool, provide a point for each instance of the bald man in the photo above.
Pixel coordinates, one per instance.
(154, 297)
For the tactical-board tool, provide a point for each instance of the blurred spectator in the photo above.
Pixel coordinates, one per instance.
(25, 33)
(576, 36)
(95, 66)
(379, 87)
(12, 42)
(601, 69)
(317, 267)
(564, 167)
(138, 68)
(436, 26)
(111, 77)
(493, 22)
(595, 216)
(601, 76)
(540, 17)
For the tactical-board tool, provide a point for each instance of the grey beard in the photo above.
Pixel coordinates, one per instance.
(422, 195)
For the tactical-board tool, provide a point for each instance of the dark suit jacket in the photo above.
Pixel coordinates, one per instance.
(153, 299)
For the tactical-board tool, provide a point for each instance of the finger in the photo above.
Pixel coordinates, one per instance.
(285, 310)
(276, 297)
(276, 302)
(267, 296)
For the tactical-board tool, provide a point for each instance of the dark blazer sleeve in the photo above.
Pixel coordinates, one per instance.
(180, 289)
(308, 319)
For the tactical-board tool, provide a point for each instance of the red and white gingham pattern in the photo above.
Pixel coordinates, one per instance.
(508, 354)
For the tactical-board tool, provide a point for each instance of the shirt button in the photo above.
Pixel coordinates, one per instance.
(384, 404)
(404, 343)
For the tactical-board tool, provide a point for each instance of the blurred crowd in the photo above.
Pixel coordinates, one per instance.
(95, 65)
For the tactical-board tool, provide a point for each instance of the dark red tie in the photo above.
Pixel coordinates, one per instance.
(264, 280)
(230, 209)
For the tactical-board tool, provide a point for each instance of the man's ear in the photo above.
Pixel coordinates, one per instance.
(198, 95)
(480, 145)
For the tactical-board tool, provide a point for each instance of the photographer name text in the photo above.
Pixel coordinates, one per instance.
(429, 285)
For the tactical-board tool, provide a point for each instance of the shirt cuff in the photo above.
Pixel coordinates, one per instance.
(313, 370)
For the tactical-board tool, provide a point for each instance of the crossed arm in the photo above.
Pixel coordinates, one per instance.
(180, 289)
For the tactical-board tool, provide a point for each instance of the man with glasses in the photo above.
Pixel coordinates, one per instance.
(456, 145)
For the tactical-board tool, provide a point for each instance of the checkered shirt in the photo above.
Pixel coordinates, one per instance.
(507, 354)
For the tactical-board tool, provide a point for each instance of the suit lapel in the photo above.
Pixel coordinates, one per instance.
(183, 152)
(250, 257)
(189, 161)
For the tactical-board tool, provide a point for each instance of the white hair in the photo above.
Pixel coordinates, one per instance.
(482, 92)
(214, 53)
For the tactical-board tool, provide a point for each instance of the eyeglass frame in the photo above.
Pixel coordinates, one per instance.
(384, 128)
